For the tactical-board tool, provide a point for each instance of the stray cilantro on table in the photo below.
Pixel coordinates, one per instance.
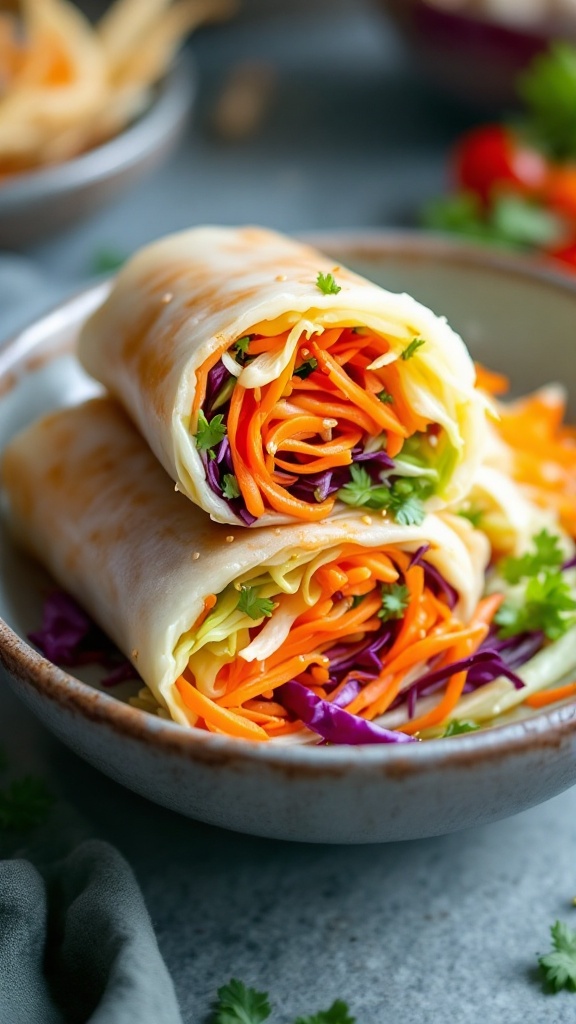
(238, 1004)
(327, 284)
(412, 348)
(209, 434)
(338, 1013)
(559, 966)
(252, 605)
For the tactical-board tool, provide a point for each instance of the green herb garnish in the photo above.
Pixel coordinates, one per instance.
(412, 348)
(403, 498)
(230, 488)
(209, 434)
(252, 605)
(473, 515)
(512, 220)
(546, 605)
(559, 967)
(242, 344)
(385, 396)
(395, 598)
(337, 1014)
(305, 369)
(238, 1004)
(548, 89)
(458, 728)
(547, 554)
(327, 284)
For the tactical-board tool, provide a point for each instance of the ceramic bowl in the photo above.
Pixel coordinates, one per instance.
(38, 203)
(516, 318)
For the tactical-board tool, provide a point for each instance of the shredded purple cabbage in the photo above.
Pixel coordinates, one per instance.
(489, 662)
(69, 637)
(419, 555)
(217, 377)
(438, 585)
(347, 694)
(331, 722)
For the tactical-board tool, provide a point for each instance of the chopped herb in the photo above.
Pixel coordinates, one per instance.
(385, 397)
(546, 605)
(357, 599)
(242, 344)
(547, 554)
(337, 1014)
(456, 728)
(238, 1004)
(402, 498)
(305, 369)
(24, 804)
(559, 967)
(412, 348)
(473, 515)
(252, 605)
(395, 598)
(230, 488)
(104, 261)
(209, 434)
(327, 284)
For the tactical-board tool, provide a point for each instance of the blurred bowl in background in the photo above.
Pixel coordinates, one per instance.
(38, 203)
(472, 56)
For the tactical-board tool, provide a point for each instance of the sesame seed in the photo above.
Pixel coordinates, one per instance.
(281, 277)
(167, 297)
(135, 653)
(195, 556)
(367, 520)
(229, 538)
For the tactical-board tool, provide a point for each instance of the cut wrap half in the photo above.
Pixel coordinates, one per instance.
(271, 383)
(296, 633)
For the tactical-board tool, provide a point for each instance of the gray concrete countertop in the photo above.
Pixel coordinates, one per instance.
(444, 930)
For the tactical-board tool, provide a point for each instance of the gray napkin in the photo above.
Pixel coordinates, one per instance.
(77, 945)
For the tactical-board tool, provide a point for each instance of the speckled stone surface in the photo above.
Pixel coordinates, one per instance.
(443, 931)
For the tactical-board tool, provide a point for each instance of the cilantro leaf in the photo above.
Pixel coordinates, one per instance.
(305, 369)
(548, 89)
(25, 804)
(209, 434)
(230, 488)
(413, 347)
(547, 555)
(385, 396)
(242, 344)
(395, 598)
(252, 605)
(402, 498)
(546, 604)
(238, 1004)
(457, 728)
(327, 284)
(559, 967)
(361, 491)
(338, 1013)
(405, 504)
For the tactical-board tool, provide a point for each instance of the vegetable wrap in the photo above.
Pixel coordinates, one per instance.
(305, 632)
(272, 384)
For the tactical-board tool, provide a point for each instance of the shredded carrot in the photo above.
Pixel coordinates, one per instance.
(541, 700)
(229, 722)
